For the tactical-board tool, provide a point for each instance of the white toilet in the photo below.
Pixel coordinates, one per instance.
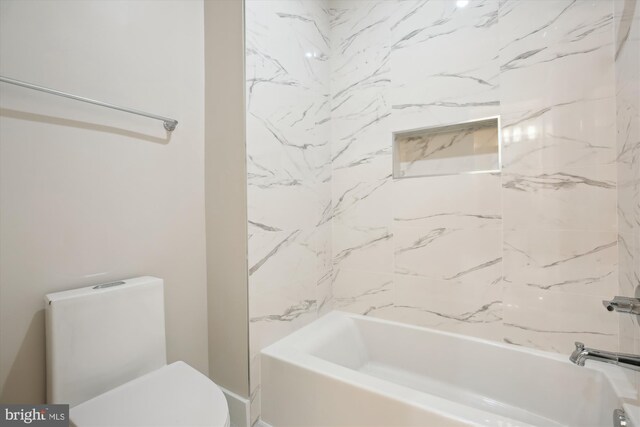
(106, 358)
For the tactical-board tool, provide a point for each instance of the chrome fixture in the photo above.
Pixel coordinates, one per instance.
(169, 124)
(623, 305)
(582, 354)
(109, 285)
(619, 418)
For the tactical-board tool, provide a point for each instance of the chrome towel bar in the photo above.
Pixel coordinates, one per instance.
(169, 124)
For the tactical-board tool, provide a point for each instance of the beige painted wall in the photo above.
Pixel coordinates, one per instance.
(87, 194)
(225, 184)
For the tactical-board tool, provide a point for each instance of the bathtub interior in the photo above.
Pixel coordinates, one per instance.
(532, 387)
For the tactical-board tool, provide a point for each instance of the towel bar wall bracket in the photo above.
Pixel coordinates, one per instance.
(168, 123)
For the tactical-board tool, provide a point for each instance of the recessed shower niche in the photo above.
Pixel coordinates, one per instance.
(469, 147)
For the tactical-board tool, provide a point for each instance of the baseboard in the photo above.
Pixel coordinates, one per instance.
(238, 409)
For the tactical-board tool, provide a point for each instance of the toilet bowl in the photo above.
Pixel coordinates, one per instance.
(106, 358)
(175, 395)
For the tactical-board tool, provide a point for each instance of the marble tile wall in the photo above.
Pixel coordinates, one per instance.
(523, 256)
(362, 216)
(289, 171)
(557, 103)
(445, 70)
(627, 37)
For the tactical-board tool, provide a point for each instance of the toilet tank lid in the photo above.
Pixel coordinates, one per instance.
(175, 394)
(98, 289)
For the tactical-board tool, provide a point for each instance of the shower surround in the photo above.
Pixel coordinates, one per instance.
(289, 171)
(523, 256)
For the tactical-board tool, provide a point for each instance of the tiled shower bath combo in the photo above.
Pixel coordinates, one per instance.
(523, 255)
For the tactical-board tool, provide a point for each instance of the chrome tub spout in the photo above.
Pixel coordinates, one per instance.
(581, 354)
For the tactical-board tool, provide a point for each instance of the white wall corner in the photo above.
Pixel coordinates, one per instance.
(238, 409)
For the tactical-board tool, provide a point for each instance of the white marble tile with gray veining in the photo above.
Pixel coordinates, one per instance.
(553, 321)
(462, 84)
(361, 291)
(454, 201)
(362, 199)
(360, 77)
(573, 261)
(478, 256)
(288, 170)
(361, 145)
(534, 36)
(556, 84)
(364, 248)
(538, 135)
(282, 274)
(467, 308)
(580, 198)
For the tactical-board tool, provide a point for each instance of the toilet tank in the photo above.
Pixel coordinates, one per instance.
(100, 337)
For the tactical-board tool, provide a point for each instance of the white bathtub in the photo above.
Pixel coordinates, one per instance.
(349, 370)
